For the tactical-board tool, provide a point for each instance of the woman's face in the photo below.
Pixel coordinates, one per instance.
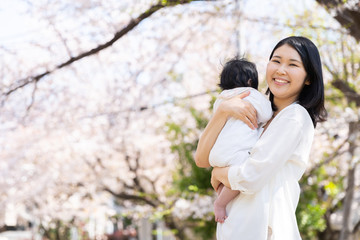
(285, 74)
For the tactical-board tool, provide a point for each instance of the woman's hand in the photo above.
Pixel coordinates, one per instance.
(215, 183)
(240, 109)
(219, 175)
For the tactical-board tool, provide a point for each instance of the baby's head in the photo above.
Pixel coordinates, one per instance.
(238, 72)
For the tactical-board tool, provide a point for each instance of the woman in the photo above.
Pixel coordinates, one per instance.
(268, 179)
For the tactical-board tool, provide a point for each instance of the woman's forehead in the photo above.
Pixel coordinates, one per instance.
(287, 52)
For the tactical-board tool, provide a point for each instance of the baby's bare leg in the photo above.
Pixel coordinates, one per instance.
(225, 195)
(221, 186)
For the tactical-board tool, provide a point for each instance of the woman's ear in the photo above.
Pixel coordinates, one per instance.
(307, 81)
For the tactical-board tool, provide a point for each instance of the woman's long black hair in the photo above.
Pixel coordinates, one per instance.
(311, 96)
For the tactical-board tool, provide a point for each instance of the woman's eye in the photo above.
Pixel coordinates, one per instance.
(293, 65)
(276, 61)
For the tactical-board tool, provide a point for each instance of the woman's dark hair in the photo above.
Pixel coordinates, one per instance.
(239, 72)
(311, 96)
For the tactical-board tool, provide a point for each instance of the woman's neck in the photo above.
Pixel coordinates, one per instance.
(281, 104)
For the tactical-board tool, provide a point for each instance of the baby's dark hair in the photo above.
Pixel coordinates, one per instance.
(239, 72)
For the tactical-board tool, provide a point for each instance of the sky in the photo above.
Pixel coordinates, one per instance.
(14, 24)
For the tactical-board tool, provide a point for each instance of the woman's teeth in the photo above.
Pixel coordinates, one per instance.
(280, 80)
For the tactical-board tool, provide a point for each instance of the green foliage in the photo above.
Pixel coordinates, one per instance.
(319, 192)
(188, 179)
(158, 215)
(332, 189)
(188, 176)
(188, 173)
(57, 230)
(205, 229)
(334, 96)
(312, 219)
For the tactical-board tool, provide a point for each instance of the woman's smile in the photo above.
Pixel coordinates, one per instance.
(280, 81)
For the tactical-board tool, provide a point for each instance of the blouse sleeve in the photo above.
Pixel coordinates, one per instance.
(273, 149)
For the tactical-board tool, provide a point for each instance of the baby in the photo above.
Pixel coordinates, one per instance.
(236, 139)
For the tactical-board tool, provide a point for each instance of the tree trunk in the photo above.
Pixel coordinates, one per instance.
(346, 231)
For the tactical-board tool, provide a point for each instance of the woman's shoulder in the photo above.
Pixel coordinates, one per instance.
(296, 112)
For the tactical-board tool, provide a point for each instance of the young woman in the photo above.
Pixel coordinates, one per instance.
(268, 179)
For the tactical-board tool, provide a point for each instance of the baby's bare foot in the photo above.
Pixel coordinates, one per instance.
(220, 212)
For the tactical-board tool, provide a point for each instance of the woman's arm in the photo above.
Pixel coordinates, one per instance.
(234, 107)
(208, 138)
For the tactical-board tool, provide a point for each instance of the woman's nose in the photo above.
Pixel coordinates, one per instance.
(281, 70)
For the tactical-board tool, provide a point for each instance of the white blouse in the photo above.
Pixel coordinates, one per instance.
(268, 181)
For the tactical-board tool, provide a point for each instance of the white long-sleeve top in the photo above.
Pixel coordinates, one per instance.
(236, 139)
(268, 181)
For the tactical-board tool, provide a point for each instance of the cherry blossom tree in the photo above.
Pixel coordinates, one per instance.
(101, 108)
(84, 130)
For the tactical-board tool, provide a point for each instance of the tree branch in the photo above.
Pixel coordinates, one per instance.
(334, 154)
(125, 196)
(350, 94)
(130, 26)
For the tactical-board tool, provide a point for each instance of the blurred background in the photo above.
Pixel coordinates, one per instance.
(102, 104)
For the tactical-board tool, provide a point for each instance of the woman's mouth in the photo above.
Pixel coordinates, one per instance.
(280, 81)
